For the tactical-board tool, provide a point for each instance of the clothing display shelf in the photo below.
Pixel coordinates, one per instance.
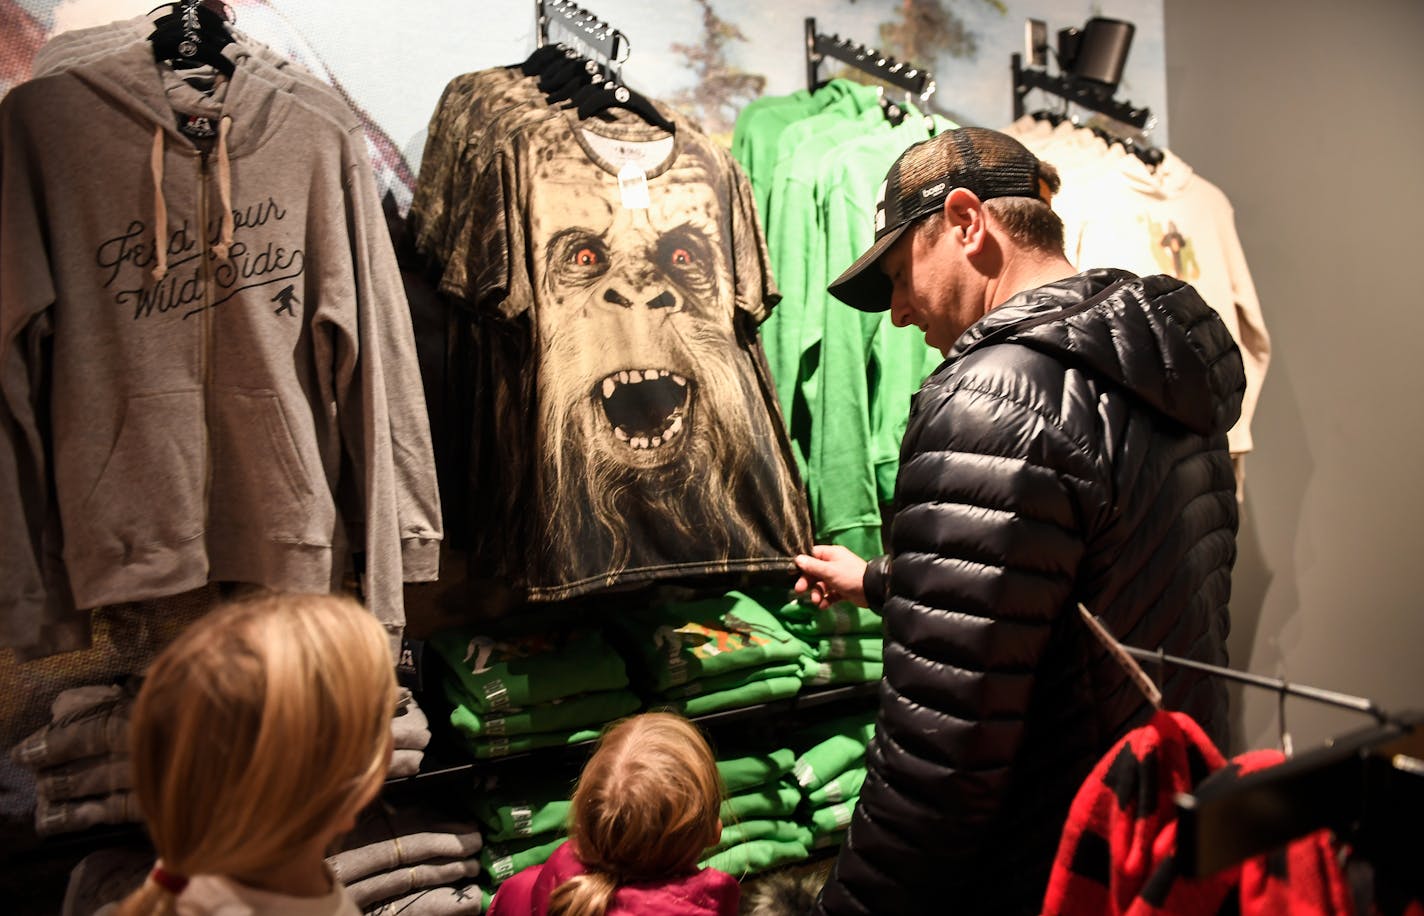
(913, 80)
(771, 717)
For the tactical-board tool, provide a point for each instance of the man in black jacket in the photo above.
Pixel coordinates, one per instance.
(1071, 448)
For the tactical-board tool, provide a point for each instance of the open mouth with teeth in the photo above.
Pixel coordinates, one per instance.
(646, 408)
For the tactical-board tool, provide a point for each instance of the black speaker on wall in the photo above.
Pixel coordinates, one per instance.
(1101, 52)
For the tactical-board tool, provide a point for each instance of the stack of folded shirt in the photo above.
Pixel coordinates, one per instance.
(411, 731)
(759, 830)
(830, 771)
(525, 818)
(518, 694)
(720, 653)
(81, 762)
(849, 641)
(411, 860)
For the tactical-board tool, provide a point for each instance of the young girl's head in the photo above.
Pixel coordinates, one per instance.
(262, 730)
(646, 808)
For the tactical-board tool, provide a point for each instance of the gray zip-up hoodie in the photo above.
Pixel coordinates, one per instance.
(206, 360)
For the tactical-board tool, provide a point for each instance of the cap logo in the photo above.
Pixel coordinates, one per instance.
(931, 191)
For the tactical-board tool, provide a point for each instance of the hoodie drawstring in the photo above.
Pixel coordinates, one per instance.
(224, 190)
(160, 208)
(160, 204)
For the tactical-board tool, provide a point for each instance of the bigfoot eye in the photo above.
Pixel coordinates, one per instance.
(587, 257)
(682, 257)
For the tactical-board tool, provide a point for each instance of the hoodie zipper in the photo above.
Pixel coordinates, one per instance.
(205, 354)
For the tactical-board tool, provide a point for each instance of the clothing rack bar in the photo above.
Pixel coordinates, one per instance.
(867, 60)
(1027, 79)
(1330, 697)
(580, 30)
(1360, 785)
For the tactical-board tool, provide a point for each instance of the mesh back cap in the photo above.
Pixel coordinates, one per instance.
(984, 161)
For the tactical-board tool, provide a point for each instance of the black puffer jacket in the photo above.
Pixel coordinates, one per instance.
(1071, 448)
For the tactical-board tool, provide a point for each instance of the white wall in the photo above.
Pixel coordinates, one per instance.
(1310, 116)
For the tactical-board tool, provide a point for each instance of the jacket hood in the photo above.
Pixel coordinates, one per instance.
(1168, 180)
(129, 79)
(1154, 337)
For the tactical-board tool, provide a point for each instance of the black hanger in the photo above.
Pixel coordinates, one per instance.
(616, 95)
(581, 80)
(894, 113)
(178, 44)
(585, 92)
(542, 57)
(560, 72)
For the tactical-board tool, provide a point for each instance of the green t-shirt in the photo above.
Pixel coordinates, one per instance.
(500, 674)
(841, 619)
(843, 788)
(773, 800)
(502, 861)
(833, 818)
(757, 856)
(584, 710)
(846, 671)
(732, 680)
(832, 648)
(763, 691)
(760, 829)
(683, 642)
(753, 770)
(834, 755)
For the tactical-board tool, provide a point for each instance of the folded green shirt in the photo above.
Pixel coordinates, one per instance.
(487, 748)
(760, 829)
(863, 646)
(500, 674)
(832, 818)
(753, 770)
(837, 620)
(683, 642)
(756, 856)
(511, 817)
(504, 860)
(834, 755)
(776, 688)
(802, 668)
(845, 671)
(777, 799)
(845, 786)
(560, 714)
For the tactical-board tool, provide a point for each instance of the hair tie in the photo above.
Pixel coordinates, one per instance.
(169, 881)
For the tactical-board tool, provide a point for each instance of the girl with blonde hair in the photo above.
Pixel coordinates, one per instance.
(257, 737)
(644, 812)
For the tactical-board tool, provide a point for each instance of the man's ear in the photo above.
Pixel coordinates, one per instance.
(964, 216)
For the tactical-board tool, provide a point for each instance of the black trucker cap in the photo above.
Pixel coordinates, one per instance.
(984, 161)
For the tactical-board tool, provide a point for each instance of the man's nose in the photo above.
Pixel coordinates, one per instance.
(899, 312)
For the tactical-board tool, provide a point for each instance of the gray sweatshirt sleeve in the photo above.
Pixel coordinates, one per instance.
(382, 413)
(26, 294)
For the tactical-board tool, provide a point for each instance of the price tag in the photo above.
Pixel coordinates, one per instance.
(633, 186)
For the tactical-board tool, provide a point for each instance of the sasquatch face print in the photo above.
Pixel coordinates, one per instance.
(658, 450)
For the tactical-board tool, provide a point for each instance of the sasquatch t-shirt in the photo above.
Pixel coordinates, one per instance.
(621, 276)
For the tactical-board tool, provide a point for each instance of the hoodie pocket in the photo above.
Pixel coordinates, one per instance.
(150, 491)
(263, 482)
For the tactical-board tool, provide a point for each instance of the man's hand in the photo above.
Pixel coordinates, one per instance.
(832, 573)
